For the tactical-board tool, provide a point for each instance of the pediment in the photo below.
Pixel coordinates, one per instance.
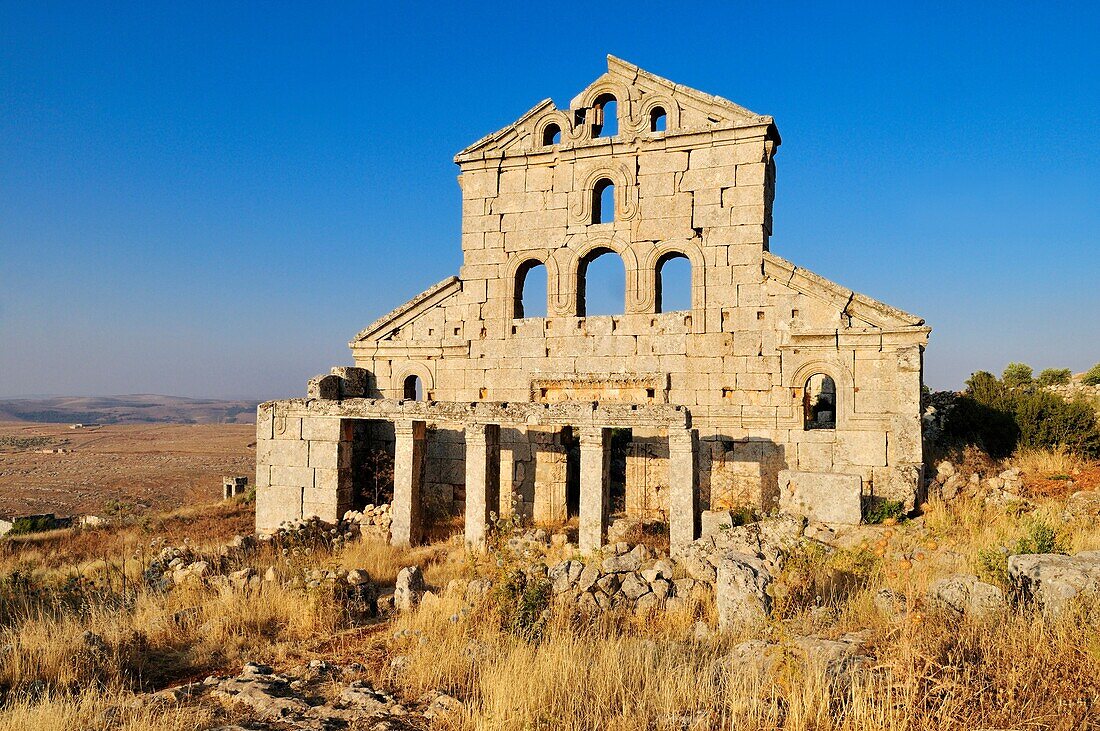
(637, 92)
(384, 326)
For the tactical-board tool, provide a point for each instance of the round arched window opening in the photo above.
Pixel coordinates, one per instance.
(609, 124)
(551, 135)
(672, 282)
(413, 388)
(603, 201)
(658, 120)
(529, 297)
(819, 402)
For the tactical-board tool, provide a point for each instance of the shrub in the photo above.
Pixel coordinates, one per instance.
(1017, 374)
(998, 419)
(522, 603)
(1038, 537)
(1092, 376)
(878, 510)
(1054, 377)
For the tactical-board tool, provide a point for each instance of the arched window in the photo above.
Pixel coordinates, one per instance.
(673, 283)
(601, 284)
(551, 135)
(530, 290)
(413, 388)
(603, 201)
(609, 126)
(819, 402)
(657, 119)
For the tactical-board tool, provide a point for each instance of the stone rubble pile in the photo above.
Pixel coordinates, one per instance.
(373, 521)
(1001, 489)
(315, 697)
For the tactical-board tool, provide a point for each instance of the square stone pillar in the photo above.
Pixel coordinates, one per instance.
(551, 463)
(482, 479)
(682, 487)
(506, 505)
(408, 472)
(595, 443)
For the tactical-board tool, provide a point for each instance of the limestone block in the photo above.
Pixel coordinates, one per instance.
(712, 177)
(330, 455)
(660, 184)
(754, 381)
(282, 453)
(821, 496)
(815, 456)
(321, 428)
(708, 216)
(903, 483)
(753, 173)
(287, 427)
(904, 445)
(682, 485)
(300, 476)
(276, 504)
(331, 479)
(662, 162)
(513, 181)
(540, 178)
(860, 448)
(595, 461)
(478, 183)
(265, 419)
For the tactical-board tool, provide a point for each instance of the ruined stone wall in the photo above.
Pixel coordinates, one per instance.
(739, 359)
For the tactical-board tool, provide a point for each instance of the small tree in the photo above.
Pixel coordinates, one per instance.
(1092, 376)
(1017, 374)
(1054, 377)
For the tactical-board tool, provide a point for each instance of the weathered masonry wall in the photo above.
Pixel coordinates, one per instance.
(676, 173)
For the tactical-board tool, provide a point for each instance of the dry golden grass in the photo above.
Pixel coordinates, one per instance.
(616, 672)
(95, 710)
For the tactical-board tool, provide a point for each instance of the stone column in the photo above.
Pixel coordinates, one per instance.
(681, 482)
(408, 469)
(482, 479)
(595, 445)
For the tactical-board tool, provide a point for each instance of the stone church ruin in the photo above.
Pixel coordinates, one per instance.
(776, 388)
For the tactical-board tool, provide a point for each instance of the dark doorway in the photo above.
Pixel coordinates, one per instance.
(372, 451)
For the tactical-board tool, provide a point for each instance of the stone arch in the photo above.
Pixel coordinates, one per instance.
(624, 103)
(580, 248)
(640, 122)
(842, 378)
(515, 267)
(647, 275)
(402, 371)
(559, 118)
(622, 176)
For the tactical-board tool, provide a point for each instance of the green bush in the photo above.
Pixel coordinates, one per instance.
(1038, 537)
(1092, 376)
(522, 603)
(1017, 374)
(878, 510)
(998, 419)
(1054, 377)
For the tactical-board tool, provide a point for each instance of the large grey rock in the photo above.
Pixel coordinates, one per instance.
(713, 522)
(1083, 504)
(409, 588)
(590, 574)
(1053, 581)
(967, 595)
(741, 591)
(634, 586)
(622, 563)
(825, 497)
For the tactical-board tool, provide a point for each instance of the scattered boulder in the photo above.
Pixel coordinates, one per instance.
(409, 589)
(741, 591)
(964, 594)
(1083, 504)
(1053, 581)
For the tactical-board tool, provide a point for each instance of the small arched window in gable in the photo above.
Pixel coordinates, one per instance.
(413, 388)
(658, 120)
(530, 290)
(609, 125)
(819, 402)
(673, 283)
(603, 201)
(551, 135)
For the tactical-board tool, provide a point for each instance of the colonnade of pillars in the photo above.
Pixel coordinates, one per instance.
(485, 470)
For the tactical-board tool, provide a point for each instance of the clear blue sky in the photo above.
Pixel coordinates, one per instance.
(210, 199)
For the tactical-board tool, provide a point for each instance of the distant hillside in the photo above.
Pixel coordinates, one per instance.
(135, 409)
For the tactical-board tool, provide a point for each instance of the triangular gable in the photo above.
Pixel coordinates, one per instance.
(636, 80)
(503, 138)
(877, 314)
(409, 311)
(723, 109)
